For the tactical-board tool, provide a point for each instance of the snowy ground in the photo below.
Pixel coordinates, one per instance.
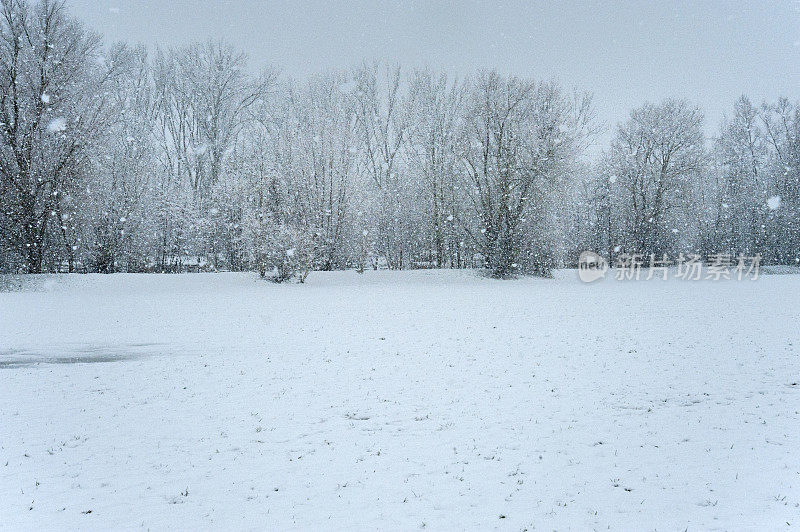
(399, 400)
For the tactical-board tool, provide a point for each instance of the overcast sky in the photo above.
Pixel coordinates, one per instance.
(709, 52)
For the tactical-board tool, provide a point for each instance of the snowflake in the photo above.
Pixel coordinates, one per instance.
(774, 203)
(57, 125)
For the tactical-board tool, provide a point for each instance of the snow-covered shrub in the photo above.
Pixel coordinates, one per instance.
(282, 247)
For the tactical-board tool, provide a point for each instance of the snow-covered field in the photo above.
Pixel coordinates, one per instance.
(399, 400)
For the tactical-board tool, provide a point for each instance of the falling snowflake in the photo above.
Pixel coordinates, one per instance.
(774, 203)
(57, 125)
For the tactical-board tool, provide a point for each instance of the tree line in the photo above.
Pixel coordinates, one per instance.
(113, 158)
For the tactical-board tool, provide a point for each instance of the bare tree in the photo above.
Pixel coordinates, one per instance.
(519, 137)
(112, 225)
(382, 130)
(655, 159)
(324, 164)
(110, 160)
(435, 112)
(204, 96)
(735, 187)
(54, 103)
(782, 130)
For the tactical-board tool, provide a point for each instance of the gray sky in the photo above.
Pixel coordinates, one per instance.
(709, 52)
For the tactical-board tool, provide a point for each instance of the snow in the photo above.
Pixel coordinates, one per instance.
(57, 125)
(397, 400)
(774, 203)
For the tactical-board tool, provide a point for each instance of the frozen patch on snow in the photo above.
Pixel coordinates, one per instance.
(774, 203)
